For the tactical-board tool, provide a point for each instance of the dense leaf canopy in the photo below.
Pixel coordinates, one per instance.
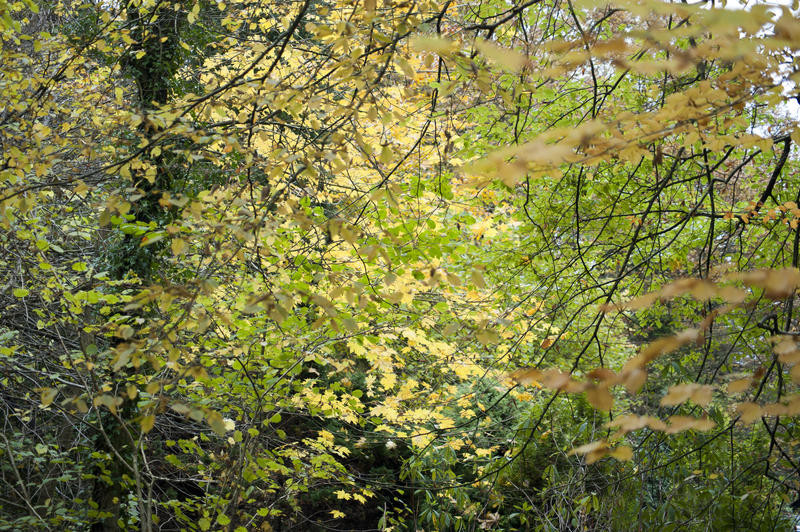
(399, 265)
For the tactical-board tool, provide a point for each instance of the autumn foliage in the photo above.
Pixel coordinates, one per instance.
(398, 265)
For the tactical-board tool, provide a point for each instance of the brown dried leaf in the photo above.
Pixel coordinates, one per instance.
(594, 456)
(656, 424)
(793, 405)
(790, 358)
(784, 344)
(777, 284)
(635, 379)
(732, 294)
(678, 394)
(748, 411)
(602, 374)
(593, 451)
(775, 409)
(786, 349)
(682, 423)
(637, 303)
(702, 395)
(527, 376)
(704, 424)
(600, 398)
(589, 447)
(629, 423)
(701, 289)
(662, 346)
(739, 385)
(555, 379)
(679, 424)
(622, 452)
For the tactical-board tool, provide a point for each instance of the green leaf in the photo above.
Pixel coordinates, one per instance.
(21, 292)
(152, 238)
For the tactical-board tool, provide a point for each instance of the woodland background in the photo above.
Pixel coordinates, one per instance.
(398, 265)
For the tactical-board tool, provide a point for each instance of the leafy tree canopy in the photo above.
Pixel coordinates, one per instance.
(399, 265)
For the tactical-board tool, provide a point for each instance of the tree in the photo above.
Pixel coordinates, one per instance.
(314, 264)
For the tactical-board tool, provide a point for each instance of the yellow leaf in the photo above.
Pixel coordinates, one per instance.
(487, 336)
(147, 423)
(48, 395)
(406, 67)
(216, 422)
(440, 46)
(178, 246)
(477, 279)
(109, 401)
(81, 189)
(508, 59)
(81, 405)
(387, 155)
(105, 218)
(192, 16)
